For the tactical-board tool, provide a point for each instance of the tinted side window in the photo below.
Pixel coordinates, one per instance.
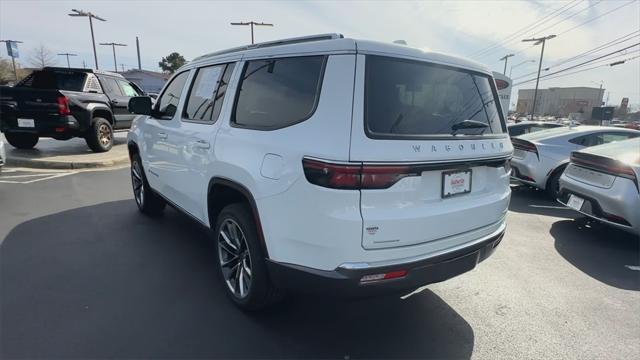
(167, 104)
(110, 86)
(276, 93)
(127, 89)
(207, 92)
(611, 137)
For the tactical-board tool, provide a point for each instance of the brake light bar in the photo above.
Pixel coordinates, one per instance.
(525, 146)
(605, 165)
(354, 176)
(63, 106)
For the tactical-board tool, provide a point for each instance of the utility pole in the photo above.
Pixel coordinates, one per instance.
(13, 53)
(113, 46)
(251, 23)
(138, 50)
(67, 55)
(538, 41)
(84, 64)
(93, 40)
(122, 67)
(522, 63)
(505, 58)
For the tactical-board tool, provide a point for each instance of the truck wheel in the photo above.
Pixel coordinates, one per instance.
(22, 140)
(241, 261)
(149, 203)
(99, 137)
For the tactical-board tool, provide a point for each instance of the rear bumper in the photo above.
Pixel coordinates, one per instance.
(51, 125)
(622, 200)
(345, 282)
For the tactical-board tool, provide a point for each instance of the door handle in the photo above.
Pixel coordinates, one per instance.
(202, 144)
(163, 136)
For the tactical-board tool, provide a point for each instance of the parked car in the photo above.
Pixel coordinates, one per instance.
(63, 103)
(601, 182)
(526, 127)
(3, 155)
(539, 158)
(329, 164)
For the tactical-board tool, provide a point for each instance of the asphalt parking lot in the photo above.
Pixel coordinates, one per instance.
(84, 275)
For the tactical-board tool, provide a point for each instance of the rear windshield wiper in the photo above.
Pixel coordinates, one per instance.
(468, 124)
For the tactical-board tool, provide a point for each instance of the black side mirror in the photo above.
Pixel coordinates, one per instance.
(140, 105)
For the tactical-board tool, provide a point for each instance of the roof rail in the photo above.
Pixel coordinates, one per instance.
(296, 40)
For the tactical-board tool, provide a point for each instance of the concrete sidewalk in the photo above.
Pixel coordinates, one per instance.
(68, 154)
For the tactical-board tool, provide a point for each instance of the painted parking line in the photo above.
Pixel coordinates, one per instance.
(28, 176)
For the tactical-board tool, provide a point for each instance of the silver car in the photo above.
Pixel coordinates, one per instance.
(540, 157)
(3, 155)
(601, 182)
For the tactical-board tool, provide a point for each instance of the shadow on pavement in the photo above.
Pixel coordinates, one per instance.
(525, 199)
(599, 251)
(104, 281)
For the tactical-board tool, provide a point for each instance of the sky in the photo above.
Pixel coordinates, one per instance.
(472, 29)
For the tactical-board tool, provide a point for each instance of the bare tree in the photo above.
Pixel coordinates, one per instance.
(41, 57)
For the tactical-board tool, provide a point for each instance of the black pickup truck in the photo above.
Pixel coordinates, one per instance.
(63, 103)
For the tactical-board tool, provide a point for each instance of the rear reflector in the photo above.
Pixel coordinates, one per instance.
(384, 276)
(59, 129)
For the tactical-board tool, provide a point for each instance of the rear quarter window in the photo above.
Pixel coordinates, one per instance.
(55, 80)
(276, 93)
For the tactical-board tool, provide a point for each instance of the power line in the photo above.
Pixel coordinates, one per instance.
(587, 69)
(583, 23)
(608, 44)
(581, 64)
(534, 24)
(597, 17)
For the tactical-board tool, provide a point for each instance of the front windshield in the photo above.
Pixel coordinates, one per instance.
(416, 98)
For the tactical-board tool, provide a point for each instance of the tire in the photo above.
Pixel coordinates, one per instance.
(21, 140)
(99, 137)
(553, 184)
(245, 279)
(149, 203)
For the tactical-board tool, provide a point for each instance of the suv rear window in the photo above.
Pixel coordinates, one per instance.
(275, 93)
(60, 80)
(411, 98)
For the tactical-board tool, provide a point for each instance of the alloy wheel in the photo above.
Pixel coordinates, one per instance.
(137, 182)
(235, 259)
(104, 134)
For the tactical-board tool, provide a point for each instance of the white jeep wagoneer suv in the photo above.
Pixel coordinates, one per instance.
(329, 164)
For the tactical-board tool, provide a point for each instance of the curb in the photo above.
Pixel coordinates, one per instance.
(53, 164)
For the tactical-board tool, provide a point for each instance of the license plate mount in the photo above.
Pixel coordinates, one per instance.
(575, 202)
(26, 123)
(456, 182)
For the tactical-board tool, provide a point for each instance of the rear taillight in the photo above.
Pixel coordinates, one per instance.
(605, 165)
(354, 176)
(525, 146)
(63, 106)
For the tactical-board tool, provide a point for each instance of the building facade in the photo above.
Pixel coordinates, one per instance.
(149, 81)
(560, 101)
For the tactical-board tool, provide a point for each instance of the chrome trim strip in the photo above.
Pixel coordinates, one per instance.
(365, 265)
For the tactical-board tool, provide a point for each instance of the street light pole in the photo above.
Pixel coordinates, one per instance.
(505, 58)
(91, 17)
(251, 23)
(515, 66)
(538, 41)
(67, 55)
(113, 46)
(12, 55)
